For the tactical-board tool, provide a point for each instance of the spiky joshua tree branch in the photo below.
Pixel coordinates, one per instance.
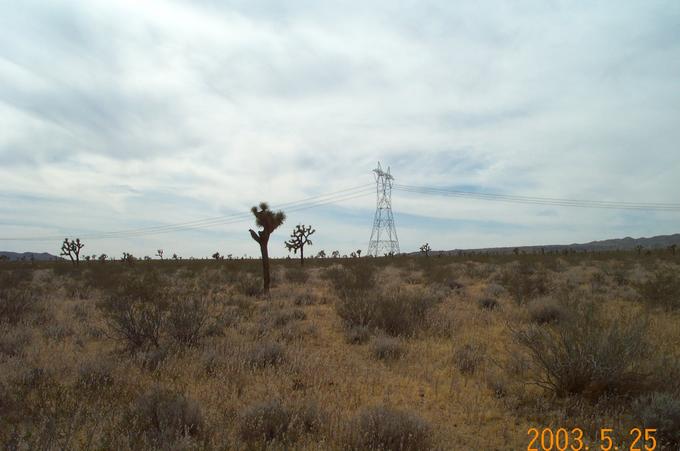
(71, 249)
(298, 239)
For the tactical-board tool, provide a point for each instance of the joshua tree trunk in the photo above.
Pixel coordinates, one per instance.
(265, 266)
(302, 256)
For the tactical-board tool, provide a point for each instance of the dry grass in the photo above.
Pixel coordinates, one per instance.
(442, 353)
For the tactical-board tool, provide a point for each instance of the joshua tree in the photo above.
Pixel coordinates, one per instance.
(425, 249)
(673, 248)
(335, 254)
(359, 253)
(159, 253)
(102, 258)
(175, 257)
(298, 239)
(639, 248)
(269, 221)
(128, 258)
(217, 256)
(321, 254)
(72, 250)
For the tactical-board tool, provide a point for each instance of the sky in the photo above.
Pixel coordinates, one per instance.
(118, 115)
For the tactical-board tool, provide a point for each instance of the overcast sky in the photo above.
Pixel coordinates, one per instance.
(125, 114)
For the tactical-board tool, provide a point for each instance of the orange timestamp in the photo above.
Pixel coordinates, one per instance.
(563, 439)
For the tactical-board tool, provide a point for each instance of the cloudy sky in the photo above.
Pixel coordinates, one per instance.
(120, 115)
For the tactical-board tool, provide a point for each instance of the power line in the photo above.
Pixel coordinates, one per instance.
(303, 204)
(533, 200)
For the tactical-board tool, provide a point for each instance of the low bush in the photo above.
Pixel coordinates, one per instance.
(660, 411)
(248, 285)
(297, 275)
(488, 304)
(161, 418)
(546, 310)
(468, 357)
(385, 428)
(187, 319)
(17, 305)
(357, 335)
(662, 289)
(589, 354)
(96, 374)
(523, 282)
(265, 354)
(386, 348)
(265, 421)
(397, 313)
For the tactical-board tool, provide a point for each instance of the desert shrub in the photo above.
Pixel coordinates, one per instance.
(386, 348)
(96, 374)
(13, 340)
(545, 310)
(589, 353)
(468, 357)
(660, 411)
(160, 418)
(187, 319)
(57, 332)
(265, 421)
(308, 298)
(401, 312)
(17, 304)
(493, 290)
(265, 354)
(308, 418)
(357, 335)
(297, 275)
(524, 282)
(358, 276)
(488, 304)
(134, 322)
(385, 428)
(248, 285)
(662, 289)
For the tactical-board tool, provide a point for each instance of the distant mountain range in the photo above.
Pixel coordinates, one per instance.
(624, 244)
(40, 256)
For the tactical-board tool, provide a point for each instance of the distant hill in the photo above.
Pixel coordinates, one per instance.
(39, 256)
(624, 244)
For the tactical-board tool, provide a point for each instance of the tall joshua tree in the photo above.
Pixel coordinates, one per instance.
(71, 249)
(425, 249)
(269, 221)
(298, 239)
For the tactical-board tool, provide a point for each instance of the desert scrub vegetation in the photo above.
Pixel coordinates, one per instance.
(366, 353)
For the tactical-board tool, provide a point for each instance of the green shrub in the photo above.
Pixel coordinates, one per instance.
(385, 428)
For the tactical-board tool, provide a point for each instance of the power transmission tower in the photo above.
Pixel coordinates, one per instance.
(384, 239)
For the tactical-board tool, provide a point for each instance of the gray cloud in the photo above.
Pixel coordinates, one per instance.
(167, 111)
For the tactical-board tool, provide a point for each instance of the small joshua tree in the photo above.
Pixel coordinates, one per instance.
(321, 254)
(128, 258)
(359, 253)
(71, 249)
(159, 253)
(335, 254)
(298, 239)
(269, 221)
(425, 249)
(102, 258)
(217, 256)
(673, 248)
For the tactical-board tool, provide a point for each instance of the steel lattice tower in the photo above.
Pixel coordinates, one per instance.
(384, 239)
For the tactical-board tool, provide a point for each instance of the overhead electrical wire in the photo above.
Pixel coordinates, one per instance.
(533, 200)
(310, 202)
